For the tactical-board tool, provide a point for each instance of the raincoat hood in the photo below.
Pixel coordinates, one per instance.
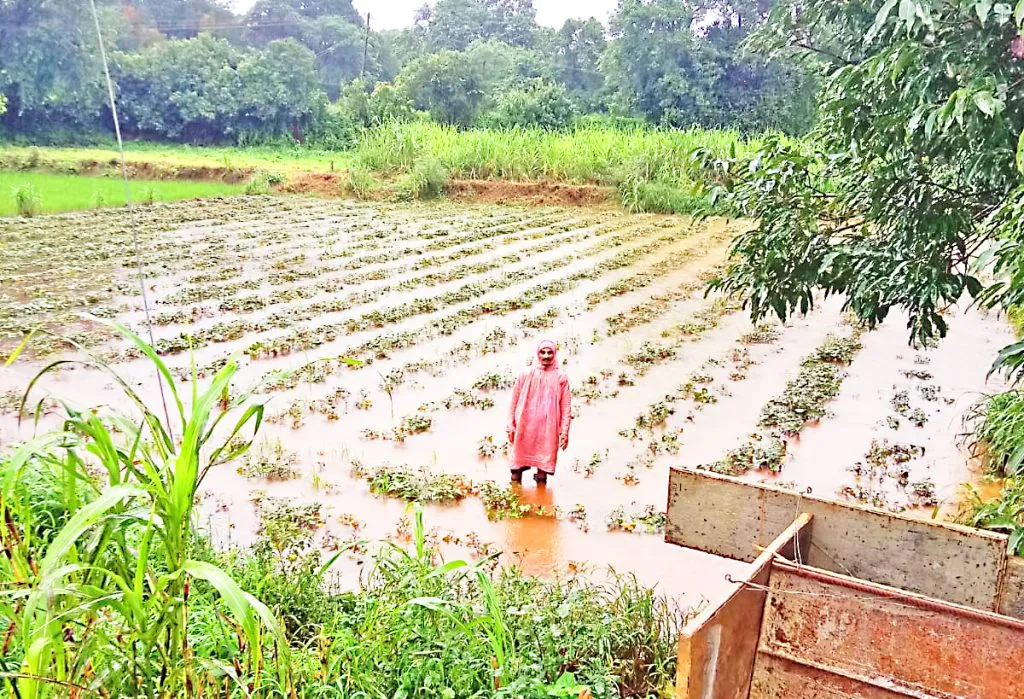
(551, 345)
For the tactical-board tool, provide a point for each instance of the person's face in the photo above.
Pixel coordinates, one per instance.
(546, 355)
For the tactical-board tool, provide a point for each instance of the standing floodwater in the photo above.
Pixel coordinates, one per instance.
(443, 307)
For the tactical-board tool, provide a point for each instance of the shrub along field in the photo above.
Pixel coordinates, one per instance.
(374, 345)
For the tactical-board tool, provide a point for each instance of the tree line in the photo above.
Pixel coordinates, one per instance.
(315, 70)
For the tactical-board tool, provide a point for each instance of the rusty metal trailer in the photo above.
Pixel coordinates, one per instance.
(844, 601)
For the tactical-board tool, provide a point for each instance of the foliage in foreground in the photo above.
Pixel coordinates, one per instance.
(99, 543)
(1003, 513)
(910, 187)
(109, 589)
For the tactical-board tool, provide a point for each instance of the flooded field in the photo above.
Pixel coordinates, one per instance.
(442, 306)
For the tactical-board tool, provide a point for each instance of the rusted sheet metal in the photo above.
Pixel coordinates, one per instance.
(832, 636)
(780, 678)
(724, 516)
(717, 648)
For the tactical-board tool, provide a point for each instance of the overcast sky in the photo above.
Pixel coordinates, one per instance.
(395, 14)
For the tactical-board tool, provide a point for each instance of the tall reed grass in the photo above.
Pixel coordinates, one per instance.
(653, 169)
(592, 155)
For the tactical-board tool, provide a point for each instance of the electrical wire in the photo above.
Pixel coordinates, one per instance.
(131, 209)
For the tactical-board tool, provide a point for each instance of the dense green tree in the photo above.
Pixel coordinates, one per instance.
(653, 62)
(49, 62)
(682, 64)
(910, 189)
(384, 103)
(455, 24)
(446, 84)
(206, 90)
(332, 29)
(500, 65)
(399, 47)
(537, 103)
(580, 44)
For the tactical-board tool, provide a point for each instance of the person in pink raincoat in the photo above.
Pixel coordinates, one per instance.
(539, 417)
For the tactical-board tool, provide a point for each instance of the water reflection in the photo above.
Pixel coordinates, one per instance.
(533, 542)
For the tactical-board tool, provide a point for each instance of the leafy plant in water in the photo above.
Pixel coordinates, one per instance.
(414, 485)
(636, 518)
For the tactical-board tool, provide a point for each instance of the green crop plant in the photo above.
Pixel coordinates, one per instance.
(99, 541)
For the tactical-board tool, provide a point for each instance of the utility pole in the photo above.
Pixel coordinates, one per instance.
(366, 44)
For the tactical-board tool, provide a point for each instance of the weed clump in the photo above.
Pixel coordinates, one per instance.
(27, 200)
(262, 183)
(360, 183)
(428, 179)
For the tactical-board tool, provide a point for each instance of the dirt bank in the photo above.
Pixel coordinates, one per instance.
(545, 193)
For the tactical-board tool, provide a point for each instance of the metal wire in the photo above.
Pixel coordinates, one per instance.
(131, 209)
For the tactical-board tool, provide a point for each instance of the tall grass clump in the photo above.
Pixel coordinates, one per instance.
(359, 182)
(27, 200)
(654, 169)
(428, 179)
(99, 541)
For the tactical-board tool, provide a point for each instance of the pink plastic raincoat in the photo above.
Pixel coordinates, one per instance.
(540, 414)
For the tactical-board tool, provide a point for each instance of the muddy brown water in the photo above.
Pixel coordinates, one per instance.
(594, 474)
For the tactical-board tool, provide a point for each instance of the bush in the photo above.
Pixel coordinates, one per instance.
(447, 84)
(332, 129)
(386, 103)
(28, 200)
(257, 186)
(538, 103)
(659, 197)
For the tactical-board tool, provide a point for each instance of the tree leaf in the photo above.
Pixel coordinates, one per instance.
(983, 8)
(987, 103)
(908, 13)
(1020, 149)
(880, 20)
